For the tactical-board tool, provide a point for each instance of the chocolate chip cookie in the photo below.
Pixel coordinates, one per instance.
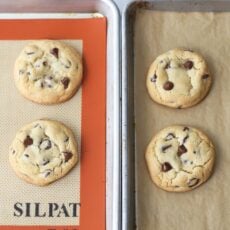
(48, 71)
(180, 158)
(43, 151)
(178, 78)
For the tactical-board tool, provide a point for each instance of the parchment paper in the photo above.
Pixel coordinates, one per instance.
(207, 207)
(16, 111)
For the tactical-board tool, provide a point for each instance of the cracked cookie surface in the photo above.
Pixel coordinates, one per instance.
(43, 151)
(180, 158)
(178, 79)
(48, 71)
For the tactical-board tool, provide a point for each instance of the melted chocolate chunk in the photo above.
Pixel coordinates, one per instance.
(154, 78)
(167, 65)
(164, 148)
(30, 53)
(55, 51)
(185, 129)
(168, 85)
(166, 167)
(181, 150)
(28, 141)
(185, 139)
(170, 136)
(188, 65)
(65, 81)
(67, 155)
(193, 182)
(205, 76)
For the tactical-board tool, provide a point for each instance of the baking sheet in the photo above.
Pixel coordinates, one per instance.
(155, 32)
(17, 111)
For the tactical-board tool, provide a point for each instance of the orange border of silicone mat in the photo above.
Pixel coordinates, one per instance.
(93, 34)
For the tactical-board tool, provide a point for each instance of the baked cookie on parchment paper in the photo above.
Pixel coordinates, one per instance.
(48, 71)
(180, 158)
(178, 78)
(43, 151)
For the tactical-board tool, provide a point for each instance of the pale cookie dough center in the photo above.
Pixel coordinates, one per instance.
(180, 79)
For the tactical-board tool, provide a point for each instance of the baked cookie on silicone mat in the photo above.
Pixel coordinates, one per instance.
(180, 158)
(43, 151)
(178, 78)
(48, 71)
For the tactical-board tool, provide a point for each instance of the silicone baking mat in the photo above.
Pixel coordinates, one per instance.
(77, 201)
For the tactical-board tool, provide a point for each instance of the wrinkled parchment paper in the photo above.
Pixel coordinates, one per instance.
(207, 207)
(15, 112)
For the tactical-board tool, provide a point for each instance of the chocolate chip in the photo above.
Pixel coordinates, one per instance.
(45, 144)
(193, 182)
(26, 155)
(181, 150)
(185, 139)
(69, 64)
(185, 129)
(28, 73)
(170, 136)
(54, 51)
(67, 139)
(21, 71)
(67, 155)
(194, 152)
(166, 167)
(45, 63)
(65, 81)
(13, 152)
(47, 173)
(164, 148)
(50, 78)
(28, 141)
(154, 78)
(191, 162)
(30, 53)
(179, 107)
(37, 125)
(188, 65)
(205, 76)
(168, 85)
(189, 50)
(167, 65)
(46, 162)
(41, 85)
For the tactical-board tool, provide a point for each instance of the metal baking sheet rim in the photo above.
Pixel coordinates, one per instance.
(113, 147)
(128, 138)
